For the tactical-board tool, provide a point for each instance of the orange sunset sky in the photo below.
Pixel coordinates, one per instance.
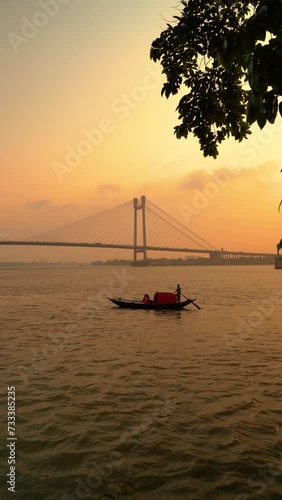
(84, 128)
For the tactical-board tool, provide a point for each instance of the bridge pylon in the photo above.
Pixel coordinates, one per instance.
(137, 249)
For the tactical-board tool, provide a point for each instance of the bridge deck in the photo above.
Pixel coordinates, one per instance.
(223, 253)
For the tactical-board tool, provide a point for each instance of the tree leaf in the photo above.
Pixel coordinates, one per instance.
(261, 120)
(253, 108)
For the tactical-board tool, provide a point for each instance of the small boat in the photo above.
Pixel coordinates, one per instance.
(139, 304)
(161, 301)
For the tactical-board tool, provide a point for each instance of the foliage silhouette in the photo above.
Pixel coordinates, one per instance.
(227, 56)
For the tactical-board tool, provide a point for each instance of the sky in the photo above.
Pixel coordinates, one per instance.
(84, 128)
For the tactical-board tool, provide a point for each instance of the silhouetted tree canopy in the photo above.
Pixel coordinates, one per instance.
(227, 56)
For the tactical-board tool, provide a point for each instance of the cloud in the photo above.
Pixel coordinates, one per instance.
(113, 188)
(38, 204)
(195, 180)
(263, 174)
(42, 204)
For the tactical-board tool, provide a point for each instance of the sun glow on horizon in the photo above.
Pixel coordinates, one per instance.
(85, 129)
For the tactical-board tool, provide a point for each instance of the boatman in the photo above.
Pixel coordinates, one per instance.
(178, 293)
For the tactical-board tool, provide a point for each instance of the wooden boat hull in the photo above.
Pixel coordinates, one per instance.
(139, 304)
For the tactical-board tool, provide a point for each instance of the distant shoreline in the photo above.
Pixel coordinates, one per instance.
(4, 265)
(200, 261)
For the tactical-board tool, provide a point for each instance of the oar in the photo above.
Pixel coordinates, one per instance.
(192, 301)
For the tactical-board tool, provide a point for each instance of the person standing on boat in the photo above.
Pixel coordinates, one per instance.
(178, 293)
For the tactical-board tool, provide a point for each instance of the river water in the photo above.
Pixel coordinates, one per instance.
(183, 405)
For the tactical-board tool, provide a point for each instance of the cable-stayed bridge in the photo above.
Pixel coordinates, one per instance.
(142, 227)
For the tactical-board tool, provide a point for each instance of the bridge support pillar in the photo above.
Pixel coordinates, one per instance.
(143, 248)
(215, 258)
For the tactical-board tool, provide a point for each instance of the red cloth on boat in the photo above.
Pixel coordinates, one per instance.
(164, 298)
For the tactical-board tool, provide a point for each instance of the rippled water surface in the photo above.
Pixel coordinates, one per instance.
(184, 405)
